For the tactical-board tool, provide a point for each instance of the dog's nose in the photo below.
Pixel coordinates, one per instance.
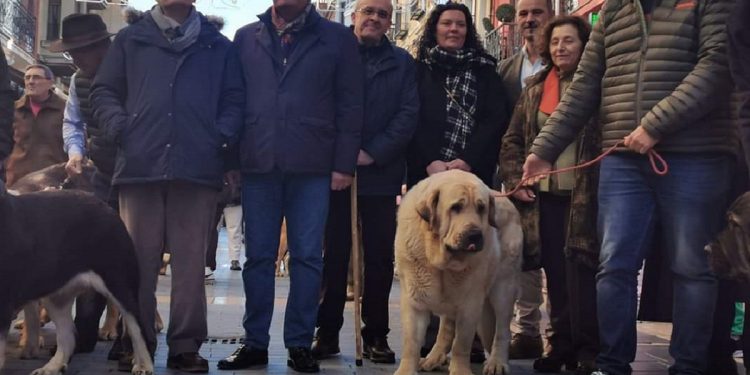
(473, 240)
(474, 237)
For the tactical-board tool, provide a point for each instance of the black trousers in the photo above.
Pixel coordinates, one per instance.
(377, 216)
(571, 287)
(90, 305)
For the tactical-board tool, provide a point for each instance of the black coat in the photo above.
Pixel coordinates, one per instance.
(483, 146)
(6, 109)
(303, 112)
(391, 110)
(170, 113)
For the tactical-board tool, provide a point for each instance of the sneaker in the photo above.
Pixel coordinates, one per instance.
(209, 275)
(235, 266)
(600, 372)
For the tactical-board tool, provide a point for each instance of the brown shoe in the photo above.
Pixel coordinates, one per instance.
(525, 347)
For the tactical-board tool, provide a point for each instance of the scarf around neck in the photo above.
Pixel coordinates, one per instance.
(180, 36)
(287, 30)
(461, 95)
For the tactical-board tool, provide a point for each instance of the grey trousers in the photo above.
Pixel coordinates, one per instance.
(527, 314)
(174, 215)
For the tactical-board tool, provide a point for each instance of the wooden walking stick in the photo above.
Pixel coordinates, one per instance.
(356, 274)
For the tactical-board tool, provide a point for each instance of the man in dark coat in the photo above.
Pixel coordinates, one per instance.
(303, 117)
(169, 94)
(86, 39)
(6, 112)
(739, 62)
(531, 15)
(391, 109)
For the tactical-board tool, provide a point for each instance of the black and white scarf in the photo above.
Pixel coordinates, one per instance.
(461, 94)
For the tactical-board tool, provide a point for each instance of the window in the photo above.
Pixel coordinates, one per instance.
(53, 20)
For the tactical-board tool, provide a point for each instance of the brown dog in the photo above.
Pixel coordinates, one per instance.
(730, 253)
(282, 259)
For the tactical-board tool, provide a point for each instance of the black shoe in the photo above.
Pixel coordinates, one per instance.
(116, 351)
(325, 347)
(378, 351)
(554, 364)
(301, 360)
(125, 362)
(235, 266)
(244, 357)
(188, 362)
(585, 367)
(525, 347)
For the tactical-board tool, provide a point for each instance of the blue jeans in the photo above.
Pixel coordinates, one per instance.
(689, 203)
(303, 200)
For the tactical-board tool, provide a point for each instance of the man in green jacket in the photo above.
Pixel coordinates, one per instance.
(657, 72)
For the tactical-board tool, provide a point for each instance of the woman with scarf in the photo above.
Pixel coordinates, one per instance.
(558, 215)
(463, 106)
(464, 110)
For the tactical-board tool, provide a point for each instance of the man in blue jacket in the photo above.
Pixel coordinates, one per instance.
(169, 94)
(303, 116)
(391, 111)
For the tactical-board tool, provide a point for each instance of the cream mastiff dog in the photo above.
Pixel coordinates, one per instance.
(458, 252)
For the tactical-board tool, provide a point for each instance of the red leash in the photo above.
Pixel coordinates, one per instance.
(653, 157)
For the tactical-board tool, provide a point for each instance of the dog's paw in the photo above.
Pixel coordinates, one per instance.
(460, 370)
(108, 333)
(495, 367)
(404, 371)
(49, 370)
(433, 361)
(29, 352)
(142, 370)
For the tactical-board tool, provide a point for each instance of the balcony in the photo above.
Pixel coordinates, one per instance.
(503, 41)
(18, 24)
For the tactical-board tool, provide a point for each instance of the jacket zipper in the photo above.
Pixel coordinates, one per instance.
(639, 77)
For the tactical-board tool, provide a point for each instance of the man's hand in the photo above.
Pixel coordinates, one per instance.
(524, 194)
(340, 181)
(74, 166)
(640, 140)
(459, 164)
(436, 166)
(364, 158)
(535, 165)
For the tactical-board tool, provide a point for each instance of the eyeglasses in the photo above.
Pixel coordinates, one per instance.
(34, 77)
(368, 11)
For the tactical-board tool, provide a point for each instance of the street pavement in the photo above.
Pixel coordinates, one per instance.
(225, 310)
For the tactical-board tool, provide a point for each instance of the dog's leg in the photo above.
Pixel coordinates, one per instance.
(501, 299)
(438, 356)
(158, 323)
(108, 331)
(59, 307)
(414, 325)
(466, 328)
(142, 363)
(30, 341)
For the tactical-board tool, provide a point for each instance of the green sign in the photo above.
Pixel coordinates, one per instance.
(593, 18)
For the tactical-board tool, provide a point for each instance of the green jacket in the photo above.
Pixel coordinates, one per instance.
(668, 72)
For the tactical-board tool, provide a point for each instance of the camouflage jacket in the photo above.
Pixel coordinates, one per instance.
(582, 243)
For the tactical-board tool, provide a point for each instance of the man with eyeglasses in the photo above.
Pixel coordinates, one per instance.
(37, 126)
(391, 109)
(303, 117)
(6, 112)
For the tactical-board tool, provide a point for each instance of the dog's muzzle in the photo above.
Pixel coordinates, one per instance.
(471, 241)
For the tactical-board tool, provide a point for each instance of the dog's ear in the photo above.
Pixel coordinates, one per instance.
(491, 211)
(427, 209)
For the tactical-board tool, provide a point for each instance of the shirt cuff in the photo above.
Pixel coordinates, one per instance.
(75, 150)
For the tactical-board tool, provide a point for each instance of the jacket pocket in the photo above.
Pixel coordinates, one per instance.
(257, 144)
(311, 142)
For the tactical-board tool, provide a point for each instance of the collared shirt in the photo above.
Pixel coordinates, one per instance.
(527, 68)
(74, 128)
